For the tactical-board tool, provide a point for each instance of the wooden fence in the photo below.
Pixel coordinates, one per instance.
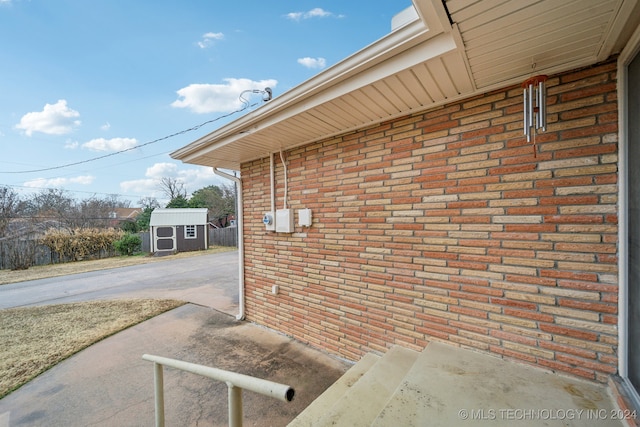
(223, 236)
(42, 255)
(37, 254)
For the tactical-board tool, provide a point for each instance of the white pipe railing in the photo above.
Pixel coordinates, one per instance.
(235, 383)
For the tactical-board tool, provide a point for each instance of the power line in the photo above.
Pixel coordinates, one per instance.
(182, 132)
(68, 191)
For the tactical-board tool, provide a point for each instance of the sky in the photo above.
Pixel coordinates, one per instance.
(95, 94)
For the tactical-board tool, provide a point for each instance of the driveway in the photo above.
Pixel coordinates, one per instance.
(210, 280)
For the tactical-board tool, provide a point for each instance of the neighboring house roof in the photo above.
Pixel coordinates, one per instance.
(439, 51)
(126, 213)
(178, 216)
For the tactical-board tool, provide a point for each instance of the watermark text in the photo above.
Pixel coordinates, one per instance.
(523, 414)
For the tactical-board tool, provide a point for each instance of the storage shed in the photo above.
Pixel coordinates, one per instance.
(178, 230)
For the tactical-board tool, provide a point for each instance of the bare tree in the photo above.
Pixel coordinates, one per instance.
(55, 207)
(9, 207)
(149, 203)
(173, 188)
(98, 213)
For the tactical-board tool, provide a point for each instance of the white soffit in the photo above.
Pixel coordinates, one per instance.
(435, 55)
(514, 39)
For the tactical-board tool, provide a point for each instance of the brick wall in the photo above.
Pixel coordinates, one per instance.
(445, 225)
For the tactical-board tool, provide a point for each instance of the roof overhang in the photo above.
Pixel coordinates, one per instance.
(436, 56)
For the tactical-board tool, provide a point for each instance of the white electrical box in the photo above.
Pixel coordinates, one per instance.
(284, 221)
(269, 221)
(304, 218)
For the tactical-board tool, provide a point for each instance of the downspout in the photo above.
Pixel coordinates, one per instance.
(240, 224)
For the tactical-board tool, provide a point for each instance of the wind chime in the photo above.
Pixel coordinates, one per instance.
(535, 107)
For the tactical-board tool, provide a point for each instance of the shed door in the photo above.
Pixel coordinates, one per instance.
(165, 238)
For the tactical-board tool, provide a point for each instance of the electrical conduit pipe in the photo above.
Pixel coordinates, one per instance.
(240, 221)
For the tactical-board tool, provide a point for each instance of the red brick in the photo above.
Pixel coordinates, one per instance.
(588, 92)
(570, 200)
(565, 182)
(525, 314)
(588, 364)
(574, 219)
(513, 354)
(514, 338)
(586, 151)
(590, 277)
(514, 303)
(580, 352)
(590, 130)
(469, 312)
(568, 368)
(570, 332)
(513, 169)
(588, 306)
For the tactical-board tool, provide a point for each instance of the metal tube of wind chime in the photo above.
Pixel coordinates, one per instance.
(535, 107)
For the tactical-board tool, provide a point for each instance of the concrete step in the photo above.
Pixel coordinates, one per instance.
(450, 386)
(363, 401)
(318, 408)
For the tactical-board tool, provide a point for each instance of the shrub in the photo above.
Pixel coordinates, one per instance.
(81, 243)
(129, 226)
(22, 254)
(128, 245)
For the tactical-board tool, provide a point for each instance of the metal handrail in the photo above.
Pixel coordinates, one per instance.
(235, 383)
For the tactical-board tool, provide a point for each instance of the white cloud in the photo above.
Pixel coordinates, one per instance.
(150, 185)
(218, 98)
(143, 187)
(208, 39)
(192, 178)
(162, 170)
(56, 119)
(312, 62)
(295, 16)
(113, 144)
(313, 13)
(197, 178)
(71, 145)
(59, 182)
(106, 126)
(317, 13)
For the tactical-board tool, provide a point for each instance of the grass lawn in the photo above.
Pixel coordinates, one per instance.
(33, 339)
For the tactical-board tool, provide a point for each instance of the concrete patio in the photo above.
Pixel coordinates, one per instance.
(108, 384)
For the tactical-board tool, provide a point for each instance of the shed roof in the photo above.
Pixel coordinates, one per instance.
(178, 216)
(439, 51)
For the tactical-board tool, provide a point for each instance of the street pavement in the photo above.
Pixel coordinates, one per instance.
(209, 280)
